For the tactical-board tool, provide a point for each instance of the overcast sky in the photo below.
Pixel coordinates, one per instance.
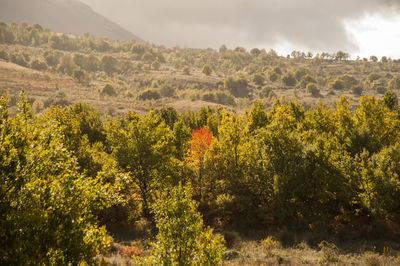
(361, 27)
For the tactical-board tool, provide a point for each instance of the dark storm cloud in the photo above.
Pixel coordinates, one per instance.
(307, 24)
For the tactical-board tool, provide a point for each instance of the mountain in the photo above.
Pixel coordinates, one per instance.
(66, 16)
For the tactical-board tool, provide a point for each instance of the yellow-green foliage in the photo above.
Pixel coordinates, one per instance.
(182, 238)
(47, 205)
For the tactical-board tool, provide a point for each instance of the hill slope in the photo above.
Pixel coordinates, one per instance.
(66, 16)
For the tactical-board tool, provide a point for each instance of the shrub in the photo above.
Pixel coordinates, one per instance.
(288, 79)
(373, 76)
(182, 238)
(38, 65)
(167, 90)
(337, 84)
(156, 65)
(48, 206)
(186, 71)
(237, 87)
(265, 92)
(349, 80)
(270, 243)
(207, 70)
(300, 73)
(357, 89)
(307, 79)
(149, 94)
(4, 55)
(19, 59)
(330, 251)
(108, 90)
(394, 84)
(258, 79)
(312, 88)
(273, 76)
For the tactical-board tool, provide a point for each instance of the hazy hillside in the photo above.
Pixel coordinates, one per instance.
(66, 16)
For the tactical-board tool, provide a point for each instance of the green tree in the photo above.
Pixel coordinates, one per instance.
(38, 65)
(109, 64)
(142, 147)
(47, 207)
(312, 88)
(288, 79)
(207, 70)
(394, 83)
(79, 75)
(259, 79)
(391, 100)
(108, 90)
(237, 87)
(182, 238)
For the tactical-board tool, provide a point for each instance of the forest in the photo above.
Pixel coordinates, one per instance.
(254, 163)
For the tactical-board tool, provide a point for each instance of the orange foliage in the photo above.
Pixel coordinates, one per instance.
(199, 146)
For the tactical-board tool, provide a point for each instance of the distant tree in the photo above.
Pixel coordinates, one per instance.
(52, 57)
(167, 90)
(149, 94)
(108, 90)
(373, 58)
(277, 70)
(156, 65)
(81, 76)
(337, 84)
(237, 87)
(92, 63)
(255, 52)
(223, 48)
(19, 59)
(66, 65)
(273, 76)
(342, 56)
(38, 65)
(357, 89)
(259, 79)
(186, 71)
(148, 57)
(300, 72)
(373, 76)
(288, 79)
(79, 60)
(349, 80)
(240, 49)
(4, 55)
(6, 36)
(207, 70)
(394, 83)
(109, 64)
(306, 79)
(312, 88)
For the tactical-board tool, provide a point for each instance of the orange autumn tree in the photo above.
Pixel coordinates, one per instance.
(198, 151)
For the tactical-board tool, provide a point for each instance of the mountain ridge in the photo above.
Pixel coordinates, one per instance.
(65, 16)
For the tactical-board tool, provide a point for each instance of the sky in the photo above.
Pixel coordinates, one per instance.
(359, 27)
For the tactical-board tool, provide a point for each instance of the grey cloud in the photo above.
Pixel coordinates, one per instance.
(317, 25)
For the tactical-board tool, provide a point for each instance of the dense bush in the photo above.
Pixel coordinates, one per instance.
(47, 206)
(149, 94)
(108, 90)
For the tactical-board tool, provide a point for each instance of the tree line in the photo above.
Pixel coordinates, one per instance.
(66, 171)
